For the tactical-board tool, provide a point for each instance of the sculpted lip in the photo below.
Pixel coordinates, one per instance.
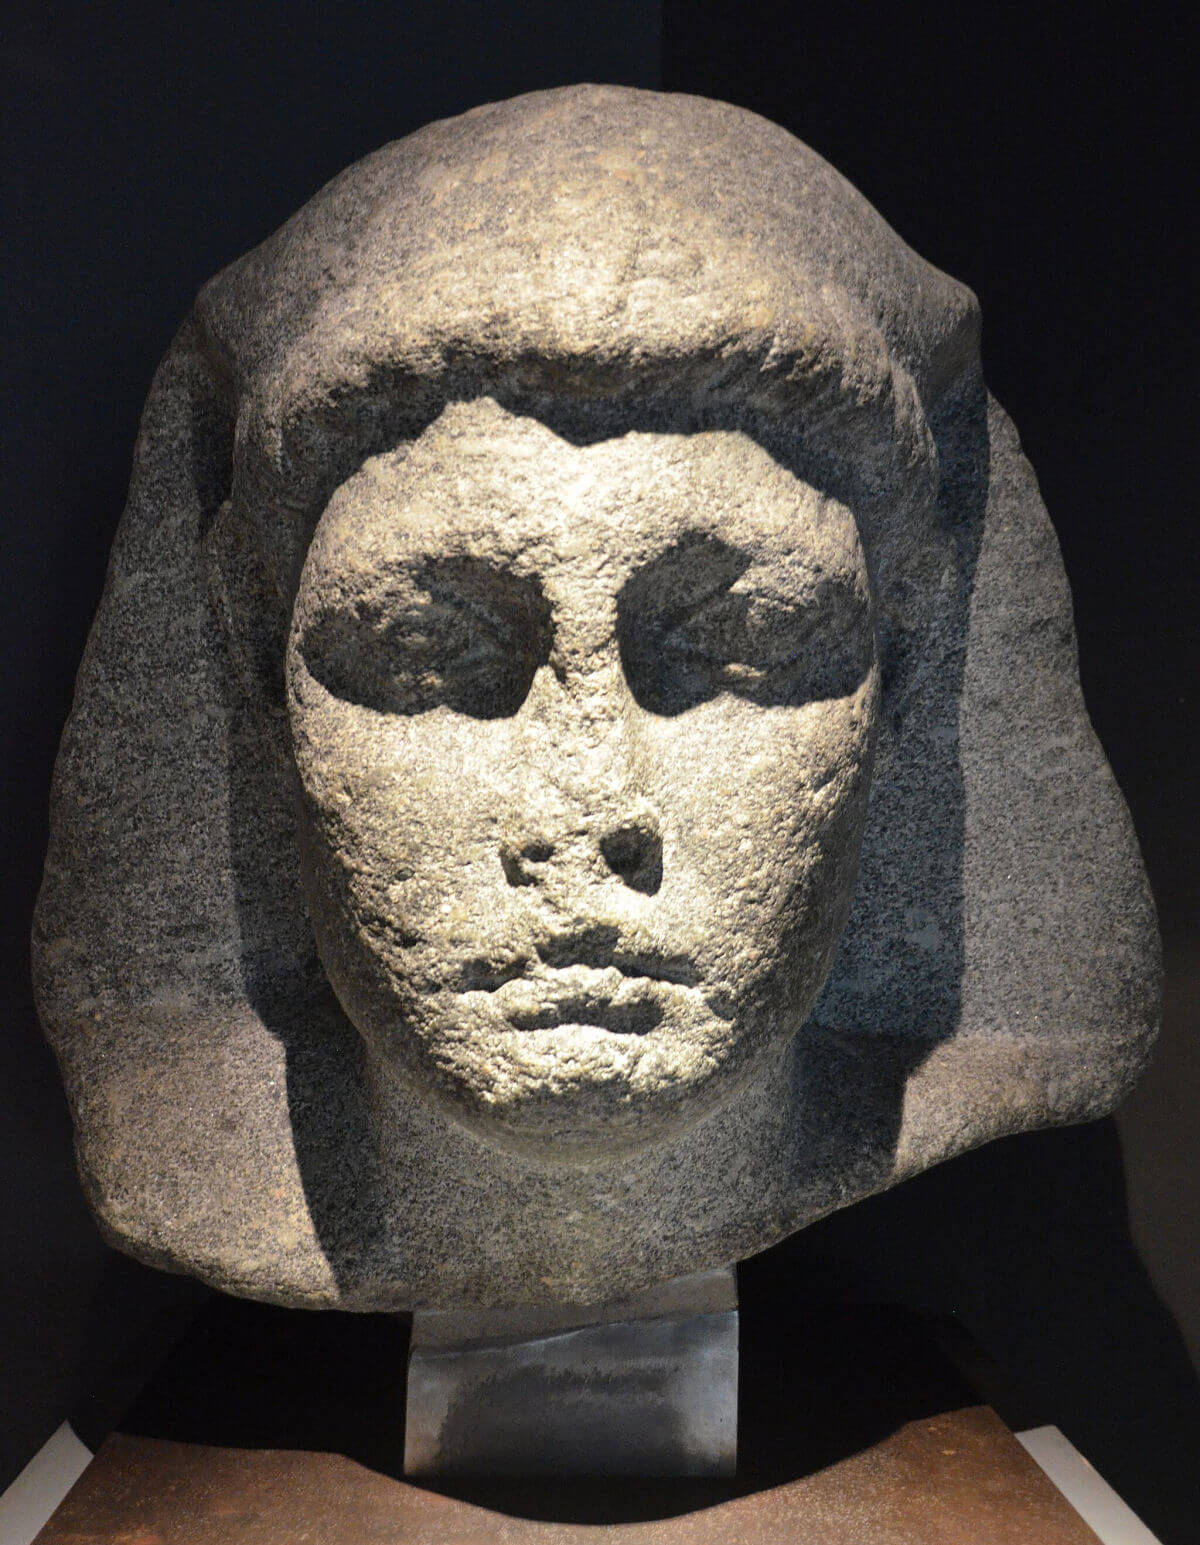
(635, 964)
(582, 995)
(594, 953)
(564, 997)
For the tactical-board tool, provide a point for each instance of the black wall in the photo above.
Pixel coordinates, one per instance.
(146, 146)
(1035, 154)
(1030, 155)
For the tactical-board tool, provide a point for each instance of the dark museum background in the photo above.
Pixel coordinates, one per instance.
(1034, 159)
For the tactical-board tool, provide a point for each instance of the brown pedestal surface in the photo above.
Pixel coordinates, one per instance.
(268, 1427)
(956, 1479)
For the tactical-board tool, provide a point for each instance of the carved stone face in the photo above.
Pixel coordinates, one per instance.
(583, 734)
(580, 727)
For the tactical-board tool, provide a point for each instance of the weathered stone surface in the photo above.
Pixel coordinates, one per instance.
(580, 767)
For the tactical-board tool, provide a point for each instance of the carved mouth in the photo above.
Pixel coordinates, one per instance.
(602, 950)
(574, 996)
(616, 1018)
(596, 952)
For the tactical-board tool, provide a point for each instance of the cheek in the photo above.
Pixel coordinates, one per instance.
(767, 805)
(400, 811)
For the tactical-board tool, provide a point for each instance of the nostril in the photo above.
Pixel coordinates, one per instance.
(519, 863)
(623, 850)
(634, 854)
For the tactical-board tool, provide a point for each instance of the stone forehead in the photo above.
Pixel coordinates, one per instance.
(481, 476)
(621, 227)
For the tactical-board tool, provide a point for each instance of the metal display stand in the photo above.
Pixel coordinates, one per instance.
(640, 1386)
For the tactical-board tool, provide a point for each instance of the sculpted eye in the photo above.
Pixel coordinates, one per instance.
(455, 633)
(694, 623)
(738, 628)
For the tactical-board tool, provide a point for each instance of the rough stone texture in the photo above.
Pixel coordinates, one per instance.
(553, 562)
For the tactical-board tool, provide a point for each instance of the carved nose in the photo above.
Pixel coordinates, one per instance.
(633, 851)
(523, 864)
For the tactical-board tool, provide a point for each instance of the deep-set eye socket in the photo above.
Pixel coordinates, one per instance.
(700, 620)
(697, 621)
(456, 633)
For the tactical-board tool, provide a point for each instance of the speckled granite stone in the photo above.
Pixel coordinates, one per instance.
(580, 768)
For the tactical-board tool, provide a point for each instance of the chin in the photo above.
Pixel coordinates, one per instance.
(576, 1095)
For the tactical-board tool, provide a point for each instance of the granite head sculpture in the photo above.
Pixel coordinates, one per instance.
(580, 767)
